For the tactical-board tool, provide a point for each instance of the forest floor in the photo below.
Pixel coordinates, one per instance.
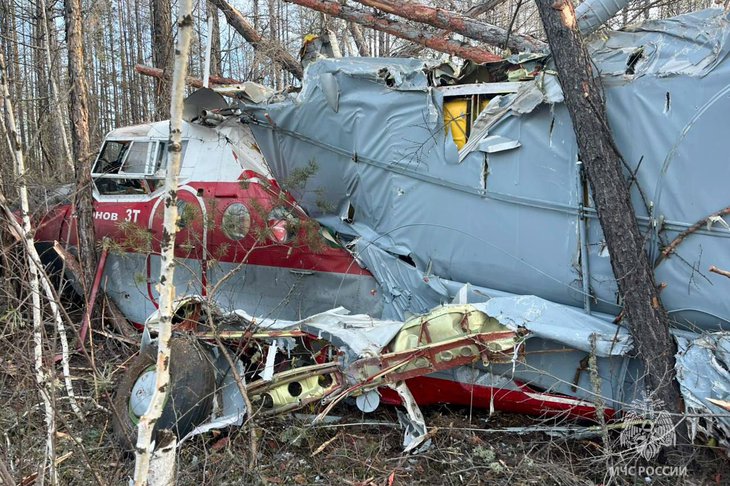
(468, 446)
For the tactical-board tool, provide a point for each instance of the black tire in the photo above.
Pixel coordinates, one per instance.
(192, 385)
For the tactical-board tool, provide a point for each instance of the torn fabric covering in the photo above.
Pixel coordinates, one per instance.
(702, 372)
(532, 372)
(360, 333)
(511, 220)
(692, 44)
(547, 320)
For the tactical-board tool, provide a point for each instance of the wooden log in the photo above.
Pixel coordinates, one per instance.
(399, 29)
(460, 24)
(268, 47)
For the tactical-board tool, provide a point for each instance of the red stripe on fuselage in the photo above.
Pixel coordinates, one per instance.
(118, 221)
(432, 391)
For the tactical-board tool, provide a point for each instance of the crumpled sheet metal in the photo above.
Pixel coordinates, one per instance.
(692, 45)
(560, 323)
(399, 73)
(510, 220)
(702, 359)
(702, 371)
(360, 333)
(544, 89)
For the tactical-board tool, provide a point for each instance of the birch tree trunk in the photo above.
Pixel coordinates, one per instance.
(55, 101)
(37, 312)
(167, 250)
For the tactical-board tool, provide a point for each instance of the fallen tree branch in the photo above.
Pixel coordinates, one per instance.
(189, 80)
(398, 29)
(270, 48)
(5, 474)
(458, 23)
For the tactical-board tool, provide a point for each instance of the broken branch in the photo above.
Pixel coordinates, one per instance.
(719, 271)
(458, 23)
(684, 234)
(398, 29)
(189, 80)
(268, 47)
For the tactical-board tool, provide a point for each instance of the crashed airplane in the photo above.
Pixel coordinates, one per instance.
(438, 243)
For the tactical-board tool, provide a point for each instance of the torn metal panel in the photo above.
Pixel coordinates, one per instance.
(693, 45)
(559, 323)
(517, 353)
(704, 378)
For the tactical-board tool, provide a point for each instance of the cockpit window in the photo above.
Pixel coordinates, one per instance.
(136, 161)
(111, 158)
(131, 167)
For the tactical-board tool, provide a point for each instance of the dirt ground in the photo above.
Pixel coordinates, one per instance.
(468, 446)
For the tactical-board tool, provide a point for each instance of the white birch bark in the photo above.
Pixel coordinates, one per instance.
(37, 311)
(35, 261)
(167, 250)
(55, 102)
(162, 463)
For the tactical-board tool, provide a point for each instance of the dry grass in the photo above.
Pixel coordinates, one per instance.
(468, 446)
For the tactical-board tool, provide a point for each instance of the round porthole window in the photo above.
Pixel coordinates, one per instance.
(282, 225)
(236, 221)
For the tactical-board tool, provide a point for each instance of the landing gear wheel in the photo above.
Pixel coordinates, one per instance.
(188, 404)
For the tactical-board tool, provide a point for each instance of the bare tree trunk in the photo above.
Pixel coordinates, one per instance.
(84, 202)
(461, 24)
(55, 101)
(162, 54)
(648, 320)
(270, 48)
(215, 48)
(117, 106)
(274, 69)
(360, 42)
(143, 85)
(167, 250)
(399, 29)
(37, 311)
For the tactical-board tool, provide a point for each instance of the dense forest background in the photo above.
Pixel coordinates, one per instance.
(118, 34)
